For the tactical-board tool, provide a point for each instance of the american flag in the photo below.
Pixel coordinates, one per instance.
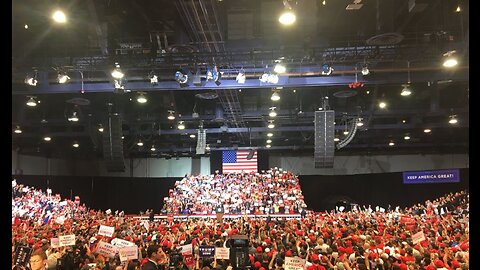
(236, 161)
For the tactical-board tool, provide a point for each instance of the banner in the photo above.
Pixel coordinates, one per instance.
(206, 251)
(128, 253)
(66, 240)
(427, 177)
(294, 263)
(222, 253)
(106, 230)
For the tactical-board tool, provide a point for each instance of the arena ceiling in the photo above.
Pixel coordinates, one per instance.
(401, 42)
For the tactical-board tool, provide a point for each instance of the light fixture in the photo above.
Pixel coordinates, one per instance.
(391, 143)
(181, 77)
(382, 104)
(47, 138)
(140, 143)
(327, 69)
(345, 132)
(171, 115)
(336, 139)
(31, 102)
(153, 148)
(75, 144)
(287, 17)
(279, 68)
(452, 119)
(269, 134)
(275, 96)
(450, 59)
(458, 9)
(17, 130)
(73, 117)
(360, 122)
(26, 26)
(62, 77)
(117, 72)
(153, 78)
(192, 136)
(100, 128)
(268, 146)
(181, 125)
(241, 77)
(365, 70)
(272, 112)
(31, 80)
(207, 147)
(269, 78)
(406, 137)
(406, 91)
(427, 130)
(59, 16)
(269, 141)
(141, 98)
(271, 124)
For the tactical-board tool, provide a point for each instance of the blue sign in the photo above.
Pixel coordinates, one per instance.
(206, 251)
(22, 255)
(427, 177)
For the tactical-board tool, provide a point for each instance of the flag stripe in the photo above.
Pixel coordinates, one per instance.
(236, 161)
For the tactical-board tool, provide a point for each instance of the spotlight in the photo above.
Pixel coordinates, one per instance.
(288, 17)
(327, 69)
(192, 136)
(427, 130)
(360, 122)
(171, 115)
(271, 124)
(453, 119)
(153, 148)
(31, 102)
(62, 78)
(382, 105)
(406, 137)
(207, 147)
(181, 125)
(117, 72)
(180, 77)
(365, 70)
(269, 134)
(391, 143)
(17, 130)
(269, 78)
(73, 117)
(406, 91)
(75, 144)
(31, 80)
(241, 77)
(450, 59)
(141, 98)
(59, 16)
(100, 128)
(269, 141)
(47, 138)
(279, 68)
(336, 139)
(153, 78)
(275, 96)
(140, 143)
(272, 113)
(268, 146)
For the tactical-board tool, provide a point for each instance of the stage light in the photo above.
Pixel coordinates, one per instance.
(272, 112)
(62, 78)
(452, 119)
(279, 68)
(181, 78)
(450, 59)
(181, 125)
(171, 115)
(31, 102)
(241, 77)
(31, 80)
(271, 124)
(47, 138)
(117, 72)
(275, 96)
(269, 134)
(59, 16)
(73, 117)
(141, 98)
(327, 69)
(17, 130)
(153, 148)
(153, 78)
(406, 91)
(139, 143)
(365, 70)
(76, 145)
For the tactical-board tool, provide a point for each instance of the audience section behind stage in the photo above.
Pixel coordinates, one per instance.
(432, 235)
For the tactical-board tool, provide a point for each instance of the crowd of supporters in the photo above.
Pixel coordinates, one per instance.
(433, 235)
(273, 191)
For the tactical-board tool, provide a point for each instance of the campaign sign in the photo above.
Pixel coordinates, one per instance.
(66, 240)
(22, 255)
(418, 237)
(107, 249)
(128, 253)
(294, 263)
(121, 243)
(54, 242)
(222, 253)
(427, 177)
(106, 230)
(186, 249)
(206, 251)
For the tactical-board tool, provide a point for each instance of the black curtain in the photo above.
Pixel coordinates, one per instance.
(215, 161)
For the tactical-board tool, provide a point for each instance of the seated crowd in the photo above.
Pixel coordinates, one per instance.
(433, 235)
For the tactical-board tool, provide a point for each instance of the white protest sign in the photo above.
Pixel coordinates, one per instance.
(106, 230)
(146, 225)
(54, 242)
(294, 263)
(418, 237)
(106, 249)
(121, 243)
(186, 249)
(66, 240)
(222, 253)
(128, 253)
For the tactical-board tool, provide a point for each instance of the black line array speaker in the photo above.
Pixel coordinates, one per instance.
(324, 139)
(113, 144)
